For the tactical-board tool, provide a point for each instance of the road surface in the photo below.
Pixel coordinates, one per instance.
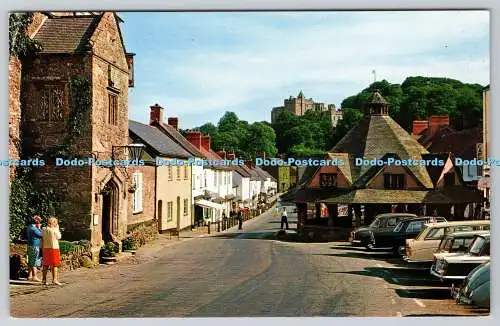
(244, 273)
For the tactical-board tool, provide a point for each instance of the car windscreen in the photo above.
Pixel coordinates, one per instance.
(461, 245)
(477, 246)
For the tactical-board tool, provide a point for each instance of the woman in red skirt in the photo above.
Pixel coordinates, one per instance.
(51, 257)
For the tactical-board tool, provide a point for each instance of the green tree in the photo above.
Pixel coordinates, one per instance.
(261, 138)
(209, 129)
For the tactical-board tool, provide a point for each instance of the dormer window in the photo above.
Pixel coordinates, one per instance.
(394, 181)
(328, 180)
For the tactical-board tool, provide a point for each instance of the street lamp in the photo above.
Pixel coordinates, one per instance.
(134, 150)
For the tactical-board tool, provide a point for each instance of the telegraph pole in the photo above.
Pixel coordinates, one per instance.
(374, 75)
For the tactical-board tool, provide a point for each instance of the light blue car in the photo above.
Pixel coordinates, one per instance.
(475, 290)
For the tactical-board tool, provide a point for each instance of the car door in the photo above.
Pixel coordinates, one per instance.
(386, 234)
(424, 249)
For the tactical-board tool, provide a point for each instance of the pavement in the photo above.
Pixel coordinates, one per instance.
(244, 273)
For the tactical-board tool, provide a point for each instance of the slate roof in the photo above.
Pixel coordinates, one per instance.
(375, 136)
(66, 34)
(179, 139)
(242, 171)
(157, 140)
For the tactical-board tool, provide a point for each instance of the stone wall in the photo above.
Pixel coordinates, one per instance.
(14, 111)
(73, 190)
(46, 102)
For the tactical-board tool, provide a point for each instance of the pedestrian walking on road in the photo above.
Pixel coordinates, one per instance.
(284, 218)
(50, 250)
(34, 236)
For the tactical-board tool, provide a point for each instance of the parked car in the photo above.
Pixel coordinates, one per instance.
(421, 249)
(456, 243)
(363, 236)
(458, 267)
(476, 288)
(406, 229)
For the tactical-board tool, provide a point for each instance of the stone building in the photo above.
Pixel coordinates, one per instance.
(300, 105)
(374, 186)
(75, 105)
(15, 72)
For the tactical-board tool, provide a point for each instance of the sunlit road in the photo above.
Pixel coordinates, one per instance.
(244, 273)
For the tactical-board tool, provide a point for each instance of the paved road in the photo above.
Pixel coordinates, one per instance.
(243, 273)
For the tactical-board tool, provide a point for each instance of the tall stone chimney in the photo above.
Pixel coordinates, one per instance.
(156, 114)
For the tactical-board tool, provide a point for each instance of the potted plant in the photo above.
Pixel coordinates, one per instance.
(129, 245)
(108, 253)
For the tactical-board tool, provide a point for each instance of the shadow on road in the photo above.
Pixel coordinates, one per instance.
(262, 235)
(430, 294)
(366, 255)
(399, 276)
(476, 314)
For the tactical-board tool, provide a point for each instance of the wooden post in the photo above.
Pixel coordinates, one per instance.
(208, 224)
(218, 226)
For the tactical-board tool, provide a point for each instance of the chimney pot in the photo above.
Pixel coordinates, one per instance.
(155, 114)
(174, 122)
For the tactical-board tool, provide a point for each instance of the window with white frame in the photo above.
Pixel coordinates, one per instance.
(138, 192)
(170, 211)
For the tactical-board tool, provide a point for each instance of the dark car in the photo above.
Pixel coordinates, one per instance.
(406, 229)
(364, 236)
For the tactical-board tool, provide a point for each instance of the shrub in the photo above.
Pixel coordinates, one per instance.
(66, 247)
(129, 244)
(110, 249)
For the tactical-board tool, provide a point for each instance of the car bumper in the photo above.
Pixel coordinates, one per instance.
(446, 277)
(408, 260)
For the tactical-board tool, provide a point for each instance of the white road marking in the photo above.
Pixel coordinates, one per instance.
(393, 301)
(380, 266)
(399, 314)
(419, 303)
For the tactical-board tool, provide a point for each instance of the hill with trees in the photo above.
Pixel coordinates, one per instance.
(312, 134)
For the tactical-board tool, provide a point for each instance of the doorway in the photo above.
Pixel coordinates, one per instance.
(109, 223)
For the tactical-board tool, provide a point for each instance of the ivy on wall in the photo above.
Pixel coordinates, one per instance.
(26, 200)
(80, 103)
(20, 45)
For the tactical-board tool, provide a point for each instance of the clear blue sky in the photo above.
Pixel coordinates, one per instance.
(199, 65)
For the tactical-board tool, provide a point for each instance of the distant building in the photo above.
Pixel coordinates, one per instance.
(300, 105)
